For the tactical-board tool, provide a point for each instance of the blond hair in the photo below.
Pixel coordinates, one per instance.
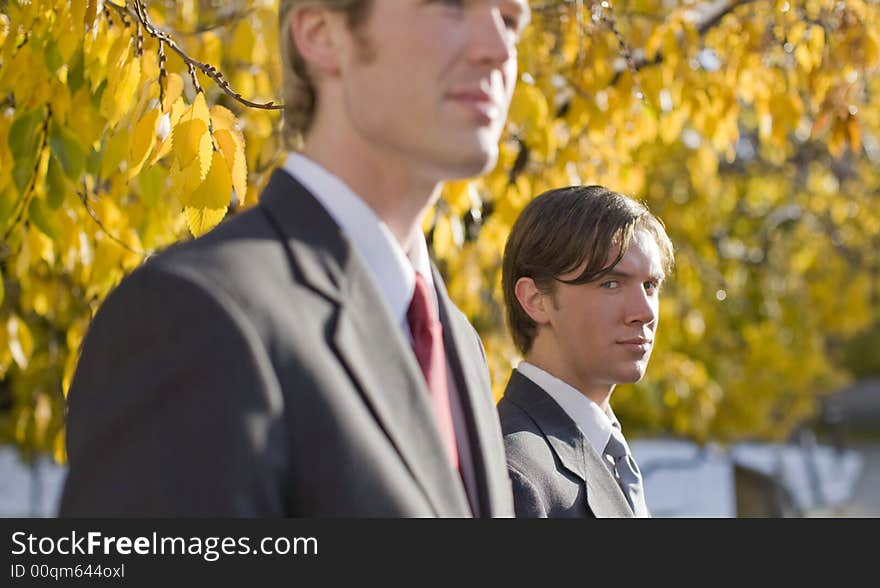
(299, 92)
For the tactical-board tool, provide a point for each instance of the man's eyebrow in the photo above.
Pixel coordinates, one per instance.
(626, 275)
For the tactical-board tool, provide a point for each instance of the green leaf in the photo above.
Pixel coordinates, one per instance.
(151, 181)
(56, 184)
(93, 162)
(76, 75)
(41, 219)
(66, 147)
(52, 56)
(23, 137)
(7, 204)
(98, 94)
(22, 171)
(23, 143)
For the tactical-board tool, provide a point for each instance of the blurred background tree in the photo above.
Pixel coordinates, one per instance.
(752, 128)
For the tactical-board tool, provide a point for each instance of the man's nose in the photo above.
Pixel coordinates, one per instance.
(642, 307)
(492, 40)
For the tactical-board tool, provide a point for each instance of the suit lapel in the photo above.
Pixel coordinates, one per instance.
(367, 339)
(467, 361)
(604, 496)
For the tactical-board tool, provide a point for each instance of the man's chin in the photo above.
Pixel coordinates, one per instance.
(476, 160)
(633, 375)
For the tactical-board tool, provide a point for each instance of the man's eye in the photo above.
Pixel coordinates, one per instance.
(512, 23)
(610, 284)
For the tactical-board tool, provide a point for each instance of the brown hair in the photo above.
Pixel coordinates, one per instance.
(299, 90)
(560, 230)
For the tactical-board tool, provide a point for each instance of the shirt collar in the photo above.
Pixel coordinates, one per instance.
(392, 268)
(593, 422)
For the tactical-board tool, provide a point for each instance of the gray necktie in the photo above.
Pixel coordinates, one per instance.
(627, 472)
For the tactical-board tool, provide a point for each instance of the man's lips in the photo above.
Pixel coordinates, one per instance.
(636, 343)
(477, 102)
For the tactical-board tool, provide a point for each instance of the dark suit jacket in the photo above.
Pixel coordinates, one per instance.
(554, 470)
(257, 372)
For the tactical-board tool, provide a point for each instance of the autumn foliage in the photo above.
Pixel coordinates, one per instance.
(752, 128)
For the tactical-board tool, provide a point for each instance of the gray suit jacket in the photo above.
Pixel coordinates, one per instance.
(257, 372)
(554, 470)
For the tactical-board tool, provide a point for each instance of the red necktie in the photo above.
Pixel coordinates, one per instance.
(427, 335)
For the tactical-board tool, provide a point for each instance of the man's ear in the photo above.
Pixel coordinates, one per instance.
(311, 29)
(533, 301)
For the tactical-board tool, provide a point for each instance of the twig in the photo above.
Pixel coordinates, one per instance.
(605, 14)
(209, 70)
(195, 79)
(28, 189)
(711, 16)
(162, 73)
(220, 23)
(84, 199)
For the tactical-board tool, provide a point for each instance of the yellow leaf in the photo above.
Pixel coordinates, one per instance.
(115, 151)
(461, 196)
(93, 9)
(142, 142)
(87, 124)
(223, 118)
(21, 342)
(190, 140)
(855, 134)
(118, 100)
(817, 43)
(59, 452)
(444, 241)
(872, 49)
(212, 48)
(69, 34)
(215, 191)
(185, 180)
(797, 32)
(232, 148)
(163, 130)
(78, 14)
(117, 56)
(200, 109)
(201, 220)
(95, 51)
(529, 106)
(243, 82)
(173, 90)
(243, 43)
(178, 109)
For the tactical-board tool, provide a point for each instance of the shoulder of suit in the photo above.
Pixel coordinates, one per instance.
(461, 317)
(242, 265)
(514, 419)
(524, 442)
(244, 253)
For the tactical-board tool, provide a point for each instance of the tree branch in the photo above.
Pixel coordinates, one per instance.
(27, 193)
(85, 202)
(704, 17)
(140, 13)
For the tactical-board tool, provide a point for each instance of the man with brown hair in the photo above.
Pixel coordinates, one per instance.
(581, 278)
(304, 358)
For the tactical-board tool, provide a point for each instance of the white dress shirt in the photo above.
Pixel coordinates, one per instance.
(391, 268)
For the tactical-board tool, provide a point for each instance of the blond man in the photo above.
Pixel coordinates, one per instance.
(304, 359)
